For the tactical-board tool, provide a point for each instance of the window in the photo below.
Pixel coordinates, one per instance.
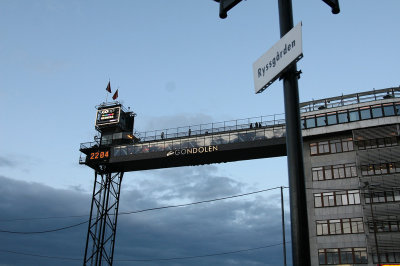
(314, 148)
(343, 117)
(354, 115)
(331, 146)
(376, 111)
(387, 257)
(365, 113)
(333, 256)
(379, 142)
(323, 147)
(392, 195)
(337, 198)
(398, 109)
(360, 255)
(340, 226)
(318, 173)
(310, 122)
(321, 120)
(332, 118)
(388, 109)
(336, 146)
(329, 172)
(380, 169)
(347, 144)
(317, 200)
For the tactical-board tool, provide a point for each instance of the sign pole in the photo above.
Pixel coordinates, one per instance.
(294, 147)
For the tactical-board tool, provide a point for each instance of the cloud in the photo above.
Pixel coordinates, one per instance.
(208, 228)
(7, 162)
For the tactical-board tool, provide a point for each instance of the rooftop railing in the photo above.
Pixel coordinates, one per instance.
(349, 99)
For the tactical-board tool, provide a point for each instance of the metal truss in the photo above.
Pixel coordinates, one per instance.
(102, 227)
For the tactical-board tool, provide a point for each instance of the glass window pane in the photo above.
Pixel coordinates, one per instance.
(321, 256)
(342, 117)
(398, 109)
(328, 172)
(346, 226)
(313, 148)
(319, 228)
(354, 115)
(332, 118)
(377, 111)
(310, 122)
(323, 147)
(365, 113)
(317, 200)
(303, 123)
(321, 120)
(388, 110)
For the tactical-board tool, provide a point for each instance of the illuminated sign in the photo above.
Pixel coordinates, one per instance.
(101, 155)
(108, 116)
(198, 150)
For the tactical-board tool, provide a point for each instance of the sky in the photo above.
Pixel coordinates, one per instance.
(175, 63)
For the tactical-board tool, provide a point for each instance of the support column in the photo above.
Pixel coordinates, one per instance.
(102, 227)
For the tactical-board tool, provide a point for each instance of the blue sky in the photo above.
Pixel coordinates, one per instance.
(175, 64)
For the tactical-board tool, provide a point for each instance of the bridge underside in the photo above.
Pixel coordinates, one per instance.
(205, 155)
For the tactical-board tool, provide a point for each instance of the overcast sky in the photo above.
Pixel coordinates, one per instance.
(175, 63)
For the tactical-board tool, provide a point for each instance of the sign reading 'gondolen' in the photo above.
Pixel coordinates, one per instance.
(276, 60)
(198, 150)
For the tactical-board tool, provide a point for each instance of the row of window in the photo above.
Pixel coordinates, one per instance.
(377, 143)
(380, 169)
(389, 225)
(387, 257)
(351, 115)
(382, 196)
(333, 256)
(331, 146)
(329, 172)
(336, 198)
(340, 226)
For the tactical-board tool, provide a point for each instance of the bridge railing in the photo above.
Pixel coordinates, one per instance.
(247, 135)
(211, 128)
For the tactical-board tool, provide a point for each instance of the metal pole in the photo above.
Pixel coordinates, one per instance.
(294, 147)
(283, 228)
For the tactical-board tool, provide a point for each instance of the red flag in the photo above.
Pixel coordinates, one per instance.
(115, 96)
(108, 87)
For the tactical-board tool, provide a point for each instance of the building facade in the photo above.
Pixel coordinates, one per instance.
(352, 167)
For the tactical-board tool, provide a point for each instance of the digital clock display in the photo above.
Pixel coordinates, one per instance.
(108, 116)
(103, 155)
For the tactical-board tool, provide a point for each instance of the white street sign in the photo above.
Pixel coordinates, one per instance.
(269, 66)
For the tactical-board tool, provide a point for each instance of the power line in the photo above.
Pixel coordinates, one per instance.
(37, 255)
(197, 202)
(145, 260)
(200, 256)
(43, 232)
(138, 211)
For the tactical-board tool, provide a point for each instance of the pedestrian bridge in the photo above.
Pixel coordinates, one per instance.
(243, 139)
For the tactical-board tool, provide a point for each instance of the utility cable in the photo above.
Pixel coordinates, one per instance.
(138, 211)
(197, 202)
(43, 232)
(37, 255)
(146, 260)
(200, 256)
